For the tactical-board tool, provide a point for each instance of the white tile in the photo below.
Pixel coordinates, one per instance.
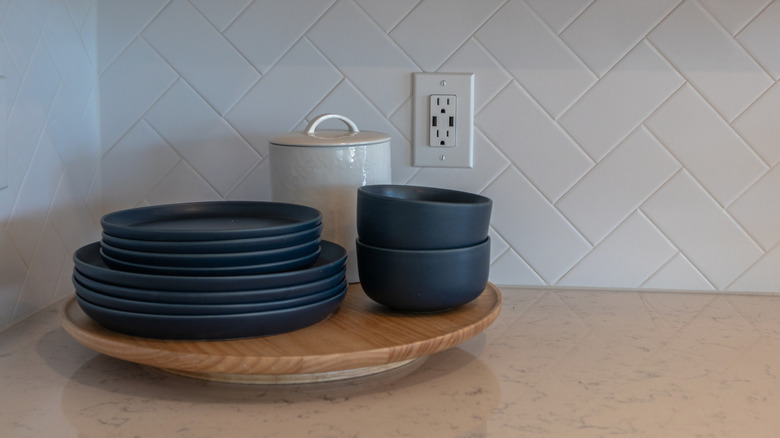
(488, 162)
(619, 102)
(402, 120)
(134, 166)
(77, 144)
(284, 96)
(527, 221)
(69, 54)
(373, 62)
(42, 275)
(64, 287)
(12, 270)
(498, 245)
(762, 276)
(151, 75)
(608, 29)
(266, 30)
(88, 34)
(696, 224)
(220, 14)
(80, 10)
(489, 76)
(11, 76)
(758, 209)
(762, 36)
(624, 259)
(71, 219)
(201, 55)
(119, 22)
(27, 117)
(509, 268)
(34, 199)
(690, 128)
(440, 38)
(533, 141)
(9, 193)
(387, 14)
(536, 57)
(182, 184)
(22, 30)
(211, 146)
(256, 186)
(347, 100)
(707, 56)
(677, 274)
(618, 185)
(560, 13)
(758, 125)
(735, 15)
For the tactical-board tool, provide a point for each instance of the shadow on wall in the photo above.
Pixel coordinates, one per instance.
(52, 211)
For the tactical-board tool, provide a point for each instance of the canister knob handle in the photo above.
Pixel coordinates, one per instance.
(321, 118)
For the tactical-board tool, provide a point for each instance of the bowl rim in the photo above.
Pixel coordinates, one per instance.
(476, 199)
(358, 242)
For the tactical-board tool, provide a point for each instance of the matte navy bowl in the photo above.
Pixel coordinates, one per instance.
(414, 217)
(423, 280)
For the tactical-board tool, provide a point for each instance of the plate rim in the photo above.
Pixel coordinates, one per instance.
(125, 223)
(322, 267)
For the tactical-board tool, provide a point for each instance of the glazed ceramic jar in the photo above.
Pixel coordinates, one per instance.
(324, 168)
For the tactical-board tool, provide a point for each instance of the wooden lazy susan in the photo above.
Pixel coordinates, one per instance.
(359, 339)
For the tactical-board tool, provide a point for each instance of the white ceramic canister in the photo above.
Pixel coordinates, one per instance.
(323, 169)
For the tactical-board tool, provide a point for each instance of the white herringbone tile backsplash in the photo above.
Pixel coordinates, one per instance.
(50, 206)
(625, 143)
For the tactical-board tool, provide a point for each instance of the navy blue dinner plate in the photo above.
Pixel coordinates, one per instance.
(214, 220)
(212, 271)
(211, 327)
(215, 246)
(90, 263)
(235, 259)
(212, 297)
(110, 302)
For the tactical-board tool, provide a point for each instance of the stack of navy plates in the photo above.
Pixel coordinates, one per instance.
(210, 270)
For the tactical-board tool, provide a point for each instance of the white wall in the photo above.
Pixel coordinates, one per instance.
(49, 209)
(626, 143)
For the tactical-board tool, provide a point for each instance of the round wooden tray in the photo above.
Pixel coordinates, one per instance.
(361, 338)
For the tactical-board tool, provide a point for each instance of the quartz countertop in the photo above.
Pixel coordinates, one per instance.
(555, 363)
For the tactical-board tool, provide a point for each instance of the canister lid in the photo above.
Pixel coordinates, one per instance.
(330, 137)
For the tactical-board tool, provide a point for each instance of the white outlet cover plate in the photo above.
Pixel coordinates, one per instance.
(462, 154)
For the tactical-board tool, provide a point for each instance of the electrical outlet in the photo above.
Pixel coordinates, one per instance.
(443, 120)
(443, 110)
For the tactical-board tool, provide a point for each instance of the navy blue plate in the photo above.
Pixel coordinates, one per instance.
(212, 271)
(215, 220)
(90, 263)
(99, 299)
(211, 327)
(212, 297)
(236, 259)
(215, 246)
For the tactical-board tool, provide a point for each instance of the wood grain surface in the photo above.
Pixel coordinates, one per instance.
(361, 334)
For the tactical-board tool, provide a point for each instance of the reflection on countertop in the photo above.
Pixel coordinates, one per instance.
(555, 363)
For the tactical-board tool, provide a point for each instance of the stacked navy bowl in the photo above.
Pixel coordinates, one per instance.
(210, 270)
(422, 249)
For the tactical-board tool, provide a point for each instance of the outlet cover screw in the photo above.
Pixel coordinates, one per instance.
(442, 157)
(443, 83)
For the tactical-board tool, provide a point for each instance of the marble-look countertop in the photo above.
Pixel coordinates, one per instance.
(556, 363)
